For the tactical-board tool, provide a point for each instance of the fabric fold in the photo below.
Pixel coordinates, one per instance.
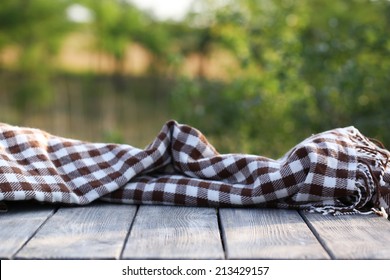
(339, 171)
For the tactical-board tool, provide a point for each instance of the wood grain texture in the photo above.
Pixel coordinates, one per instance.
(96, 231)
(352, 236)
(19, 224)
(165, 232)
(268, 234)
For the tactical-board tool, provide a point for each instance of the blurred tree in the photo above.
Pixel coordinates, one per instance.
(35, 29)
(118, 23)
(114, 25)
(347, 65)
(253, 107)
(304, 66)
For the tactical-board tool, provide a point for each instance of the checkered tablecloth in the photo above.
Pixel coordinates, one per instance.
(337, 171)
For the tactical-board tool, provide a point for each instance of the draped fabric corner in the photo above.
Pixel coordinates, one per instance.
(339, 171)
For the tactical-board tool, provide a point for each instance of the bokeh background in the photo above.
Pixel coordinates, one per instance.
(254, 76)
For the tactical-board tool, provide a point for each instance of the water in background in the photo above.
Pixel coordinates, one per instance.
(95, 108)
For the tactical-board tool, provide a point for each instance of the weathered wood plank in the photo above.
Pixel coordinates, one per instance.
(352, 236)
(268, 234)
(19, 224)
(165, 232)
(96, 231)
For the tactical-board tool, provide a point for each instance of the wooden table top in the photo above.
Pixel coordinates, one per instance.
(114, 231)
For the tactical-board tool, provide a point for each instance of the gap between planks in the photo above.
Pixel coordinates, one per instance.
(268, 234)
(352, 236)
(96, 231)
(19, 225)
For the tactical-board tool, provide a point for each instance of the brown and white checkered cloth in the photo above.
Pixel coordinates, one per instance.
(337, 171)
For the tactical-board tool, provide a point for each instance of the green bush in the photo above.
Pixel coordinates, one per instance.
(306, 66)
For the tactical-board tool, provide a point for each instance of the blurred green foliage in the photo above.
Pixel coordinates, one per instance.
(305, 66)
(302, 66)
(36, 29)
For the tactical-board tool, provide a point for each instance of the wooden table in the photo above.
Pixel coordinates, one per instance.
(113, 231)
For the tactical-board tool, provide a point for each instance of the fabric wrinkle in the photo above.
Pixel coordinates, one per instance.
(339, 172)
